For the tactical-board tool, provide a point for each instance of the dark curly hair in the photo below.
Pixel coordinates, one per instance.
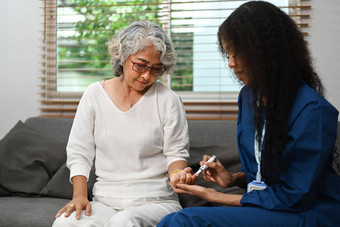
(271, 47)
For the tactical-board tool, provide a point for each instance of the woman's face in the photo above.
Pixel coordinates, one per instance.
(236, 64)
(149, 57)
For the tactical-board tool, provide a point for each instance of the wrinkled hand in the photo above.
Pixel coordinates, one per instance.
(216, 172)
(185, 177)
(77, 204)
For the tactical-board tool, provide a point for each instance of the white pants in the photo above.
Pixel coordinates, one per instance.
(143, 215)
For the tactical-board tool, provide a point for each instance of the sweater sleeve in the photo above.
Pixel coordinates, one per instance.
(311, 141)
(175, 128)
(81, 148)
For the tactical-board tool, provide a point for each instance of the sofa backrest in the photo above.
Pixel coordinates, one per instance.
(201, 132)
(215, 132)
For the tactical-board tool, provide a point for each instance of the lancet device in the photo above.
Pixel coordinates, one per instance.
(204, 167)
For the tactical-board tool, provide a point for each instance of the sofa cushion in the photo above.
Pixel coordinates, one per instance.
(29, 211)
(28, 160)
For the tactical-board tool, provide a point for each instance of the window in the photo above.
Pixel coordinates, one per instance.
(75, 53)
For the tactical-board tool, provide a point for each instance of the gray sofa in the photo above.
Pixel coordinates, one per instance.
(34, 181)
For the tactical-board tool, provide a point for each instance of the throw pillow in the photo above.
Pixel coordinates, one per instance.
(60, 186)
(4, 192)
(28, 160)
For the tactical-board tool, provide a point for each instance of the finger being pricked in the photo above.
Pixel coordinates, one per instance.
(190, 179)
(187, 177)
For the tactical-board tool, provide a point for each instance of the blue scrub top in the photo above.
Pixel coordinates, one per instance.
(309, 182)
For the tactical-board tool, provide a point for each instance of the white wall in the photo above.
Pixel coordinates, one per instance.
(20, 23)
(324, 40)
(21, 30)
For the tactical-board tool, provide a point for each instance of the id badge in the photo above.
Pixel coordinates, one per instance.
(256, 186)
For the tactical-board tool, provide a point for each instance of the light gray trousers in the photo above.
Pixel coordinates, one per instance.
(143, 215)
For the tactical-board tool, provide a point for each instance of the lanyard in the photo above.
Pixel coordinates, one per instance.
(257, 150)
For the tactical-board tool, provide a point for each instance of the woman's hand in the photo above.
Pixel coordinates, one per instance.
(77, 204)
(205, 193)
(179, 172)
(79, 201)
(216, 173)
(184, 176)
(208, 194)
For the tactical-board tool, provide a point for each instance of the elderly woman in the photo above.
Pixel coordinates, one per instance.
(135, 129)
(286, 131)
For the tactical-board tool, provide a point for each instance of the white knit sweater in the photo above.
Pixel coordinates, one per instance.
(132, 149)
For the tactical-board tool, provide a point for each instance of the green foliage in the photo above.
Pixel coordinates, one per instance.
(182, 78)
(85, 51)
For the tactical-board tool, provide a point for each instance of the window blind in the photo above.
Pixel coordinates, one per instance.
(75, 53)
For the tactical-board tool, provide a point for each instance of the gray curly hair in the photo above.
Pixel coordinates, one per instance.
(134, 38)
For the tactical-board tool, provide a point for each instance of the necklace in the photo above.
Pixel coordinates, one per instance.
(126, 96)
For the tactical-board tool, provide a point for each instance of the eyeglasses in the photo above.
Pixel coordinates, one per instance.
(142, 68)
